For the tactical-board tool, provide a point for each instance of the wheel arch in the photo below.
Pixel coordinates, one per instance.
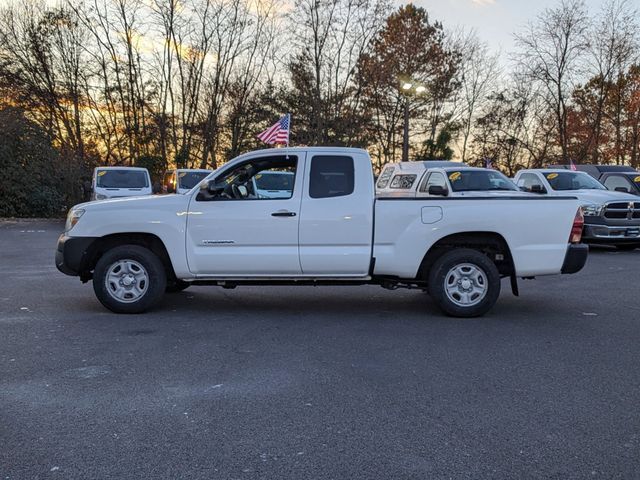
(491, 244)
(143, 239)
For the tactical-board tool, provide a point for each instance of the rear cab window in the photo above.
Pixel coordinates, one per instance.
(331, 176)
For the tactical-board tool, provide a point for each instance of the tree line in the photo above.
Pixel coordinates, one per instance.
(189, 83)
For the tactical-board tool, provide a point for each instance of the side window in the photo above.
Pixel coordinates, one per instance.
(383, 181)
(403, 181)
(331, 176)
(528, 179)
(614, 182)
(436, 179)
(264, 178)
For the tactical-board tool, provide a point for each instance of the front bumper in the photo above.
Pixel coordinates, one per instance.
(72, 254)
(575, 258)
(612, 234)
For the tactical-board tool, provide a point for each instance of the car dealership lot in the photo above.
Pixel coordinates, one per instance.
(340, 382)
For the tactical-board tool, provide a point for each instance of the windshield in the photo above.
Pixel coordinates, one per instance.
(274, 181)
(561, 181)
(122, 178)
(479, 180)
(189, 180)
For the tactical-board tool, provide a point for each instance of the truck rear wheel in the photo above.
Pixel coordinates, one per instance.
(129, 279)
(464, 283)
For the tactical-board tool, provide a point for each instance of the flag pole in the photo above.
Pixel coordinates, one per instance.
(289, 129)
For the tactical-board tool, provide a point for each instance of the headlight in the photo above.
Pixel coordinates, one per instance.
(592, 210)
(72, 218)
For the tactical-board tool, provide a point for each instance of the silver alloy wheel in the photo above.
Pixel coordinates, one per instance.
(466, 284)
(126, 281)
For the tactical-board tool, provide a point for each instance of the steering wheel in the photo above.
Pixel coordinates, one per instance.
(236, 191)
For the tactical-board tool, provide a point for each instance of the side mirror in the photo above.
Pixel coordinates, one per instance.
(209, 191)
(537, 189)
(438, 190)
(622, 189)
(214, 189)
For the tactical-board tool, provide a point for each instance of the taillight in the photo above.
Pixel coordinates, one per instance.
(576, 228)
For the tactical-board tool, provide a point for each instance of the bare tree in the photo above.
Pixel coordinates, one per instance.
(41, 60)
(551, 52)
(613, 47)
(479, 74)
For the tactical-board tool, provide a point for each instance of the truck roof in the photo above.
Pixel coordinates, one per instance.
(597, 168)
(422, 165)
(549, 170)
(293, 150)
(122, 168)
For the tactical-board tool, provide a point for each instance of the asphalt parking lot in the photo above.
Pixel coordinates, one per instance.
(316, 383)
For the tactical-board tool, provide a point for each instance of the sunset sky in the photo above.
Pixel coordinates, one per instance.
(494, 20)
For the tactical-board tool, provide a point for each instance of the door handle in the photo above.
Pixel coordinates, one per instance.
(283, 213)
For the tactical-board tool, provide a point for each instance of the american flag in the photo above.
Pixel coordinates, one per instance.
(278, 133)
(488, 163)
(572, 165)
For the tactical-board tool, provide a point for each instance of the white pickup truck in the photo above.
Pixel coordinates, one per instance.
(329, 230)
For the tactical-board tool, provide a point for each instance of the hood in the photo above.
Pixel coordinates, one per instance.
(143, 201)
(601, 196)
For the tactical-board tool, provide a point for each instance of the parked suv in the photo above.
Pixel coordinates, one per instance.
(619, 178)
(610, 217)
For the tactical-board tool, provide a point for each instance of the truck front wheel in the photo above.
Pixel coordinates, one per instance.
(129, 279)
(464, 283)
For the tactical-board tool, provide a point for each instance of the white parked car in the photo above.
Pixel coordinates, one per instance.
(610, 217)
(271, 184)
(117, 182)
(447, 181)
(183, 180)
(329, 229)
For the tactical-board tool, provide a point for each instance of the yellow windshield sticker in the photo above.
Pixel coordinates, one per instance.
(454, 176)
(258, 176)
(637, 179)
(102, 172)
(551, 176)
(182, 174)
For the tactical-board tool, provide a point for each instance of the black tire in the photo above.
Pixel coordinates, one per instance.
(157, 278)
(177, 286)
(626, 247)
(441, 269)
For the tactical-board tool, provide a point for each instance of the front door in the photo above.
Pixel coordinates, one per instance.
(237, 230)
